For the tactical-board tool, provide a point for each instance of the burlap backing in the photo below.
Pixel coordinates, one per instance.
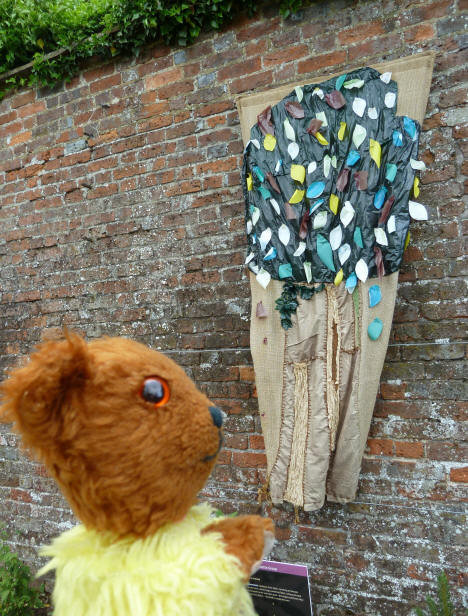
(359, 373)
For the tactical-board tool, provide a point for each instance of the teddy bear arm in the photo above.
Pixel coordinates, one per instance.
(246, 537)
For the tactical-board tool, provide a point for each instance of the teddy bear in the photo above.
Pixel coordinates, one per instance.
(130, 440)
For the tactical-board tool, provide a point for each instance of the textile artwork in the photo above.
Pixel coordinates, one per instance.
(330, 180)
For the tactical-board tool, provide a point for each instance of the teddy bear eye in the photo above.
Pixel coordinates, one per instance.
(155, 390)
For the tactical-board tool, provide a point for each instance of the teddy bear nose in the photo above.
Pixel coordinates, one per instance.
(217, 416)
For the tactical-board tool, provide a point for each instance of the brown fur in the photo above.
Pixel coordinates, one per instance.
(124, 465)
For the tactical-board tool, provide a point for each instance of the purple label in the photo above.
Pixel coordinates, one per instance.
(272, 565)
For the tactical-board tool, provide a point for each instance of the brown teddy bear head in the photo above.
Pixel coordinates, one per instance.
(124, 431)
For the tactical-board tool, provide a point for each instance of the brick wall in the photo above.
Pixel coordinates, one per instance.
(121, 213)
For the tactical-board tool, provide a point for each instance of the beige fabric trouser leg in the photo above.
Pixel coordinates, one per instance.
(316, 386)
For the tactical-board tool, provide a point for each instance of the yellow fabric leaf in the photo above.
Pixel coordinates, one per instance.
(375, 151)
(249, 182)
(298, 173)
(341, 132)
(334, 203)
(407, 240)
(416, 187)
(320, 138)
(297, 196)
(338, 278)
(269, 143)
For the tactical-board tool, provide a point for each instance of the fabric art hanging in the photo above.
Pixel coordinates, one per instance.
(330, 180)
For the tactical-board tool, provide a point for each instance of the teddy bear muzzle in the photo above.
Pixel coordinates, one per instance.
(217, 416)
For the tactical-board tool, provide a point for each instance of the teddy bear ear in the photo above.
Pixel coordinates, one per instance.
(34, 396)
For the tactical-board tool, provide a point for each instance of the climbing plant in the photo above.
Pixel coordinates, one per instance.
(32, 30)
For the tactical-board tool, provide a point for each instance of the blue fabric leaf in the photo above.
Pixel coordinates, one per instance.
(340, 81)
(325, 252)
(397, 138)
(375, 329)
(391, 172)
(352, 158)
(357, 237)
(409, 126)
(266, 194)
(380, 197)
(259, 173)
(315, 190)
(375, 295)
(285, 270)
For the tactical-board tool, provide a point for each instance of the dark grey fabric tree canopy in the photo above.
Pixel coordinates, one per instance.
(329, 178)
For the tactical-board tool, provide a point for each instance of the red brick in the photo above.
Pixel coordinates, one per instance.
(380, 447)
(175, 89)
(102, 191)
(20, 138)
(99, 72)
(409, 449)
(375, 47)
(249, 459)
(256, 441)
(105, 84)
(359, 33)
(459, 474)
(421, 32)
(250, 83)
(245, 67)
(323, 61)
(290, 54)
(322, 536)
(163, 78)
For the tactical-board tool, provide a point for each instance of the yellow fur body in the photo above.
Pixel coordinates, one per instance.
(177, 571)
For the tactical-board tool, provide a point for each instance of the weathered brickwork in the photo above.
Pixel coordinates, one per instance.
(121, 213)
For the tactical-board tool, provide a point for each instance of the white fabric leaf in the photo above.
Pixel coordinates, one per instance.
(299, 93)
(255, 215)
(326, 165)
(361, 269)
(390, 99)
(320, 220)
(380, 236)
(372, 113)
(417, 211)
(300, 249)
(344, 253)
(385, 77)
(336, 235)
(318, 92)
(255, 142)
(263, 278)
(312, 167)
(284, 234)
(265, 237)
(254, 268)
(347, 213)
(359, 105)
(334, 162)
(417, 165)
(391, 226)
(359, 135)
(249, 258)
(275, 205)
(289, 130)
(308, 270)
(293, 150)
(321, 116)
(278, 165)
(249, 227)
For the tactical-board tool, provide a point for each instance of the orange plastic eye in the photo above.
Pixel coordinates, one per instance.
(155, 390)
